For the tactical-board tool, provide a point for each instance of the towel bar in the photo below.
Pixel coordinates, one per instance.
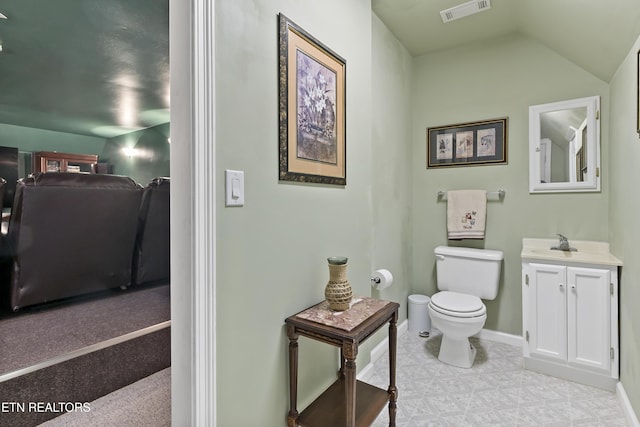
(500, 193)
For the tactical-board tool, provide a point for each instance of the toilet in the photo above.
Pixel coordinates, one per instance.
(465, 276)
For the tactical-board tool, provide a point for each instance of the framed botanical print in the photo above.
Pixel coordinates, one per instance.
(312, 131)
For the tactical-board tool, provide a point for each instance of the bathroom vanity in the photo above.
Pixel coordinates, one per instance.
(570, 311)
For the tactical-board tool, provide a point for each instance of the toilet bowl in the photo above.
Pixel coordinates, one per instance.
(464, 276)
(457, 316)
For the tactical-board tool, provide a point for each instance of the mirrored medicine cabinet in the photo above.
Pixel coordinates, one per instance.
(564, 146)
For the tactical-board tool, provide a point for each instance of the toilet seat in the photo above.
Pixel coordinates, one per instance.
(457, 305)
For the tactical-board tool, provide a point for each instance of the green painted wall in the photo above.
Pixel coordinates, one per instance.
(271, 254)
(151, 158)
(623, 212)
(32, 139)
(487, 80)
(391, 179)
(29, 140)
(151, 144)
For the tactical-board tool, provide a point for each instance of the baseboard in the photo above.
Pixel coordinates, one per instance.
(501, 337)
(378, 351)
(383, 346)
(629, 413)
(570, 373)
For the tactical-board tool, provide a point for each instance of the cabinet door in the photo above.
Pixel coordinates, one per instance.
(589, 318)
(547, 321)
(53, 165)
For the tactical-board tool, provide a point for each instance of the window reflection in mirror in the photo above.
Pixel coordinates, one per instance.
(564, 146)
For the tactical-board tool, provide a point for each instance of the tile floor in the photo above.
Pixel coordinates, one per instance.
(496, 391)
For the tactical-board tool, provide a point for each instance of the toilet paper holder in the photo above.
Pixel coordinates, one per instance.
(381, 279)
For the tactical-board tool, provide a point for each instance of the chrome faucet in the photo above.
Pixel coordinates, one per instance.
(563, 244)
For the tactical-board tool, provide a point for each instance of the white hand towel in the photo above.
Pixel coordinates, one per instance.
(466, 214)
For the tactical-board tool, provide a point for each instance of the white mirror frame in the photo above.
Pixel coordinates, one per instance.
(592, 183)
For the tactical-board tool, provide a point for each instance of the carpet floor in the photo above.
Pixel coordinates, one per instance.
(41, 333)
(145, 403)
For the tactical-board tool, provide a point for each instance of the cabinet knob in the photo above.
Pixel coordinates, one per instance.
(561, 286)
(573, 286)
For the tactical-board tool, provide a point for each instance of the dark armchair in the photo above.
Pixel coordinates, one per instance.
(151, 255)
(71, 234)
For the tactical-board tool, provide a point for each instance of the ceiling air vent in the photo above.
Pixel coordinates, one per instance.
(465, 9)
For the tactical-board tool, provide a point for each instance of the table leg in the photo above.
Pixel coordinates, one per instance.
(350, 351)
(292, 417)
(393, 390)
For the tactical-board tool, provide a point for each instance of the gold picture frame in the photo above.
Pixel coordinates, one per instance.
(312, 122)
(468, 144)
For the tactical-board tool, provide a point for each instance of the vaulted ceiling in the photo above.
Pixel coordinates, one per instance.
(594, 34)
(89, 67)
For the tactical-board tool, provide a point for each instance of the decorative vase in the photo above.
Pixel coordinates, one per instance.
(338, 291)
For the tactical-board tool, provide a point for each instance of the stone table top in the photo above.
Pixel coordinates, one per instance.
(359, 309)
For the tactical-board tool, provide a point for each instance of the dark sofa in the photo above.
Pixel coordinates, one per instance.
(71, 234)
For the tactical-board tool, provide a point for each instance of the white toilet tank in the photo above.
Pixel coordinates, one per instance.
(468, 270)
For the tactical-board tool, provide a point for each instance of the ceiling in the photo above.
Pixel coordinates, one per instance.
(101, 67)
(594, 34)
(87, 67)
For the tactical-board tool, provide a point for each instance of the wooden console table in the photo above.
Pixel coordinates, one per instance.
(347, 402)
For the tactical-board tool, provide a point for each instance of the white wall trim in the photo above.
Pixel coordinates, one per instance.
(204, 224)
(627, 409)
(193, 208)
(501, 337)
(378, 351)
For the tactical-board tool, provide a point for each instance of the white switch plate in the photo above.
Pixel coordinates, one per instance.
(234, 182)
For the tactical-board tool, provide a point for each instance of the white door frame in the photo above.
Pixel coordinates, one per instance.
(193, 204)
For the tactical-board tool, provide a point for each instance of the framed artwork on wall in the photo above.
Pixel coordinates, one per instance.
(312, 119)
(468, 144)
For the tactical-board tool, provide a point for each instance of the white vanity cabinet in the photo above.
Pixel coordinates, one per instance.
(570, 316)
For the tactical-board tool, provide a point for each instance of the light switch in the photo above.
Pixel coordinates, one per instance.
(235, 188)
(234, 181)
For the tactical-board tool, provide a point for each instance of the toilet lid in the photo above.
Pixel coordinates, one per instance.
(456, 304)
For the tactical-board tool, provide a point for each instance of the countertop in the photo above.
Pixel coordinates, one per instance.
(588, 252)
